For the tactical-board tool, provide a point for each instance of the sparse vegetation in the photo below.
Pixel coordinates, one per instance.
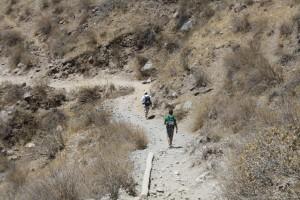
(267, 167)
(249, 71)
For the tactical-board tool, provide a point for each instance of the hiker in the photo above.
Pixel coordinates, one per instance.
(171, 124)
(146, 101)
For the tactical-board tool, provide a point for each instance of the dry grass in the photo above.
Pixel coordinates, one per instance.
(140, 61)
(268, 167)
(44, 26)
(249, 72)
(10, 94)
(18, 55)
(89, 95)
(61, 183)
(286, 29)
(4, 164)
(202, 115)
(20, 128)
(240, 24)
(11, 38)
(234, 113)
(201, 78)
(17, 177)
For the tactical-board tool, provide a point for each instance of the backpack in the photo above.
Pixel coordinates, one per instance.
(170, 121)
(147, 101)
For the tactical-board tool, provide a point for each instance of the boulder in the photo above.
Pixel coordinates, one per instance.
(21, 66)
(27, 96)
(148, 67)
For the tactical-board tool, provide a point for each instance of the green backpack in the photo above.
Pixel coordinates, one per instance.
(170, 120)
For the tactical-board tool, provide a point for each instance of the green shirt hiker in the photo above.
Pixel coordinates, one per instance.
(171, 124)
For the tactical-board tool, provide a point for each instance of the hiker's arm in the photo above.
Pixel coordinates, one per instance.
(176, 125)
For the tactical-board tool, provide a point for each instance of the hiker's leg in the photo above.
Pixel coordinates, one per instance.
(146, 111)
(170, 131)
(171, 136)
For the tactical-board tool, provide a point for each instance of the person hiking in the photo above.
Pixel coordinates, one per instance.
(171, 124)
(146, 101)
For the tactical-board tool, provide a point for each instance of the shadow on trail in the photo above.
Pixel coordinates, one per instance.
(176, 147)
(151, 117)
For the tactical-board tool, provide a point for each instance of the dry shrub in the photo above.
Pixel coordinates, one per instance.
(44, 26)
(267, 168)
(62, 183)
(18, 55)
(43, 96)
(140, 61)
(84, 5)
(181, 114)
(131, 134)
(240, 24)
(89, 95)
(21, 127)
(10, 94)
(113, 170)
(91, 39)
(234, 113)
(86, 116)
(116, 141)
(4, 164)
(286, 29)
(202, 114)
(11, 38)
(197, 8)
(55, 1)
(61, 43)
(17, 177)
(249, 71)
(201, 78)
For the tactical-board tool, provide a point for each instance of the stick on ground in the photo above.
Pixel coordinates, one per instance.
(147, 176)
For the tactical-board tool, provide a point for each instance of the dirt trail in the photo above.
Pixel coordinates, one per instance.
(172, 175)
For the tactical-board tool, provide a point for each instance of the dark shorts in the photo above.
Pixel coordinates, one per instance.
(170, 131)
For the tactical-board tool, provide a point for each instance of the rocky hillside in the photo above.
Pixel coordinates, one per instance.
(229, 68)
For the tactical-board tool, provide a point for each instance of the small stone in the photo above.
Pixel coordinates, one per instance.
(30, 145)
(187, 26)
(14, 157)
(177, 173)
(160, 190)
